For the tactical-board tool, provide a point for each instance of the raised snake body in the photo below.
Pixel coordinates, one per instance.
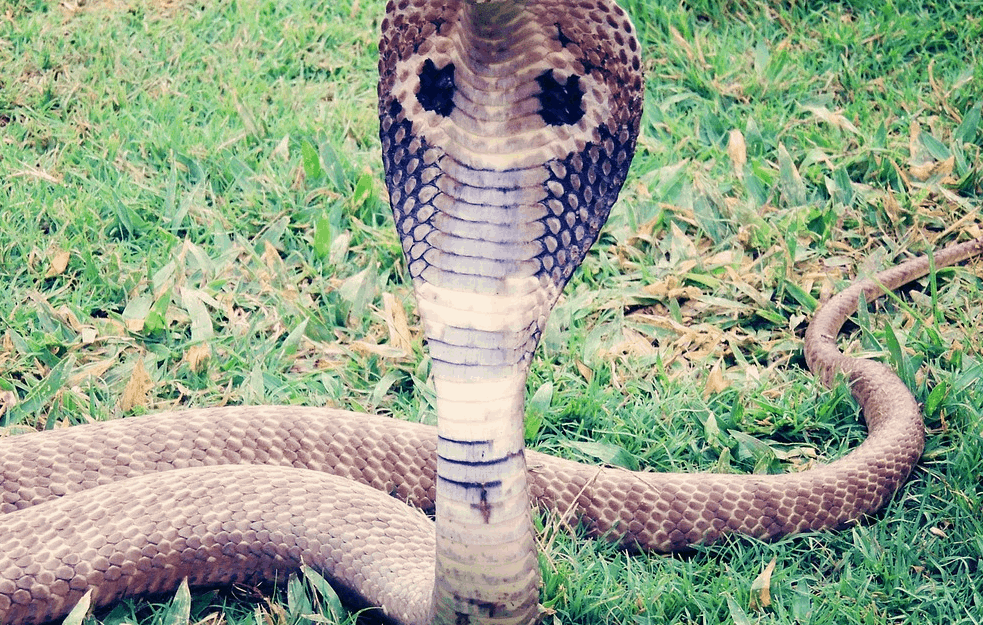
(507, 130)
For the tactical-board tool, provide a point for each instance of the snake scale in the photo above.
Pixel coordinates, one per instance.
(507, 129)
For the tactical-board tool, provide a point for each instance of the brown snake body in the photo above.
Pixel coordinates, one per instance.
(506, 130)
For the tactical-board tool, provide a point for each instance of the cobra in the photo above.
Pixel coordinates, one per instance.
(507, 129)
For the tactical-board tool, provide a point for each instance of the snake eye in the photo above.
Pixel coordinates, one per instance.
(561, 104)
(437, 88)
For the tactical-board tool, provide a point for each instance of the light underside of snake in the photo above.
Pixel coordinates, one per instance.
(507, 130)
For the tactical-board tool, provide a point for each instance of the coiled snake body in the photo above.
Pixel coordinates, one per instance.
(507, 129)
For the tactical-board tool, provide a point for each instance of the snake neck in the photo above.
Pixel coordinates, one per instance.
(507, 128)
(487, 568)
(480, 345)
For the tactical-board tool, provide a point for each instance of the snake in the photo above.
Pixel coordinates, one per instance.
(507, 129)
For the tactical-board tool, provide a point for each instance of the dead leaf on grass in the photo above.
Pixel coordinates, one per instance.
(377, 349)
(832, 118)
(37, 173)
(938, 170)
(716, 383)
(57, 263)
(137, 390)
(891, 206)
(737, 150)
(8, 399)
(198, 356)
(586, 372)
(282, 149)
(396, 323)
(669, 289)
(681, 248)
(634, 344)
(92, 370)
(136, 311)
(923, 166)
(761, 588)
(683, 45)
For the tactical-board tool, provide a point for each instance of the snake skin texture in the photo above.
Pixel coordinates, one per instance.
(73, 518)
(507, 129)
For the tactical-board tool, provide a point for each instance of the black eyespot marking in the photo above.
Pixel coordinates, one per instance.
(561, 104)
(437, 88)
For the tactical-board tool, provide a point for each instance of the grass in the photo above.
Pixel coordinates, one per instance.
(192, 214)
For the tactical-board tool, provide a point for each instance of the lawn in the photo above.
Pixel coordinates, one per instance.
(192, 214)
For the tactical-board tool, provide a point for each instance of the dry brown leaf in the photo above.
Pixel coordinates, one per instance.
(833, 119)
(198, 356)
(665, 322)
(586, 372)
(761, 588)
(271, 257)
(397, 324)
(917, 154)
(135, 325)
(633, 344)
(669, 289)
(682, 43)
(682, 249)
(737, 150)
(376, 349)
(214, 618)
(137, 390)
(282, 149)
(8, 399)
(6, 345)
(934, 169)
(57, 263)
(93, 370)
(801, 458)
(715, 382)
(34, 172)
(136, 318)
(721, 259)
(891, 206)
(87, 333)
(65, 313)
